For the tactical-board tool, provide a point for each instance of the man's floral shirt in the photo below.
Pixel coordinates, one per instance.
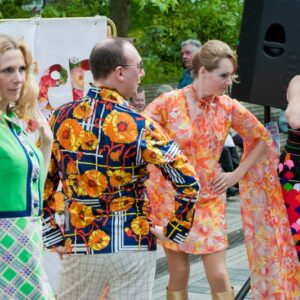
(100, 153)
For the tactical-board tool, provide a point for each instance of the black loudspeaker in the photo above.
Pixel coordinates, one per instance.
(268, 51)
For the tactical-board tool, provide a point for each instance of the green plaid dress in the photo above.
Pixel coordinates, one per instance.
(21, 248)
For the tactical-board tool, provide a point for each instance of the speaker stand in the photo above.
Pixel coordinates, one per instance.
(267, 114)
(243, 291)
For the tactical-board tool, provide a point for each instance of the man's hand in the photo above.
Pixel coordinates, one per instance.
(158, 232)
(60, 250)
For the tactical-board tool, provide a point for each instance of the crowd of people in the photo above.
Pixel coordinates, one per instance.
(133, 175)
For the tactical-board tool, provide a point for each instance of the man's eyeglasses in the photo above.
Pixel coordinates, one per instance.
(139, 66)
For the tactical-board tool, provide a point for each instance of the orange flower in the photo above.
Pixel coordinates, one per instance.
(72, 170)
(153, 156)
(185, 168)
(93, 182)
(56, 152)
(82, 111)
(120, 127)
(121, 204)
(119, 177)
(70, 134)
(81, 216)
(140, 226)
(67, 188)
(89, 141)
(98, 240)
(48, 189)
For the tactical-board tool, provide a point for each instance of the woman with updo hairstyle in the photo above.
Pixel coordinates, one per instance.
(22, 169)
(198, 118)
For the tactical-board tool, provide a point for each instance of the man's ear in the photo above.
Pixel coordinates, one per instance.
(119, 71)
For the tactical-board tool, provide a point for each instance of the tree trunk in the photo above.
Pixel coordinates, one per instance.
(119, 13)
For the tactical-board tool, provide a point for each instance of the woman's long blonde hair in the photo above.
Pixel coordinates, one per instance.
(28, 96)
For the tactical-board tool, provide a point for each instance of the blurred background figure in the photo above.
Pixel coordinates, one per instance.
(229, 161)
(188, 51)
(282, 122)
(138, 100)
(164, 88)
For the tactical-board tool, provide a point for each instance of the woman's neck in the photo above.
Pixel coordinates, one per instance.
(199, 89)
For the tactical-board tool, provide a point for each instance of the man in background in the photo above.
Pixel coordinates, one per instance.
(188, 51)
(138, 100)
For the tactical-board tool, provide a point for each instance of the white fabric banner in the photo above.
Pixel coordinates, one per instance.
(61, 48)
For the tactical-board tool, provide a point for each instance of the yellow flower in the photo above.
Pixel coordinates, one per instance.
(120, 127)
(81, 216)
(82, 111)
(140, 226)
(119, 177)
(190, 192)
(89, 141)
(93, 182)
(98, 240)
(121, 204)
(70, 134)
(153, 156)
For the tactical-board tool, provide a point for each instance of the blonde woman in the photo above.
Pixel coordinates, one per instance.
(22, 168)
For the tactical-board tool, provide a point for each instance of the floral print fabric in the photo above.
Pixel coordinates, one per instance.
(289, 174)
(100, 153)
(200, 127)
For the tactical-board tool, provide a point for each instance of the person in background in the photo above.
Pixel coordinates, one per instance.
(229, 161)
(101, 150)
(282, 122)
(164, 88)
(188, 50)
(138, 100)
(198, 118)
(289, 167)
(22, 169)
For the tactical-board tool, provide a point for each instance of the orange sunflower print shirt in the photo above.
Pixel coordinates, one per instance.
(200, 128)
(100, 153)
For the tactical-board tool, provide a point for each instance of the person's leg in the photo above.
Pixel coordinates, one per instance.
(179, 272)
(131, 275)
(82, 277)
(179, 269)
(216, 271)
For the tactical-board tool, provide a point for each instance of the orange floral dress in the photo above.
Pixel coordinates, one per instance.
(200, 128)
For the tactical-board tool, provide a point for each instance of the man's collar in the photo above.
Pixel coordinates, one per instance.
(105, 93)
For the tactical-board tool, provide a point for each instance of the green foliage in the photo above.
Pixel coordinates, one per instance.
(13, 9)
(157, 26)
(158, 35)
(75, 8)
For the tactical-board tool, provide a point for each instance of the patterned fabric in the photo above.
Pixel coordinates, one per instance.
(289, 174)
(200, 128)
(185, 79)
(100, 154)
(21, 272)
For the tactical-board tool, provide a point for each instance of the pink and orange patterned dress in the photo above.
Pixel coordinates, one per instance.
(200, 128)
